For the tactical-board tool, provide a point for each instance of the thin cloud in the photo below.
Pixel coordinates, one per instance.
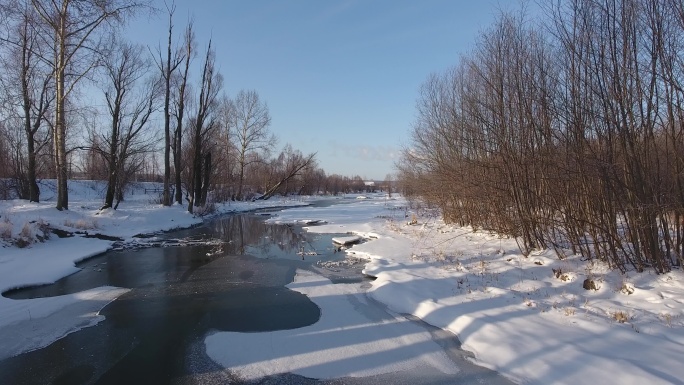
(365, 152)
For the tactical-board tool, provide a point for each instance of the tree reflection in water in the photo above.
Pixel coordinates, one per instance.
(249, 234)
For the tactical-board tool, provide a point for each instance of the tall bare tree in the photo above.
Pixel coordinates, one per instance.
(130, 96)
(28, 83)
(167, 66)
(203, 122)
(179, 111)
(72, 26)
(249, 123)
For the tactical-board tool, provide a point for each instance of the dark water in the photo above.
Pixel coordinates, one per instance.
(246, 241)
(178, 294)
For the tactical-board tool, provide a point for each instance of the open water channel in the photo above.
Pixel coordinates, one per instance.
(154, 333)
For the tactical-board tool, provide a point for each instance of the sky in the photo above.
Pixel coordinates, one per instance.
(340, 77)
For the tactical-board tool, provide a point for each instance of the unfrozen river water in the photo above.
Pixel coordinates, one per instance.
(154, 333)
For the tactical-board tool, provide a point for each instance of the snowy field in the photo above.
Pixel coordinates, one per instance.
(528, 318)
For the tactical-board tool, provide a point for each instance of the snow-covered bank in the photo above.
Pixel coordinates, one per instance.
(45, 262)
(139, 213)
(527, 317)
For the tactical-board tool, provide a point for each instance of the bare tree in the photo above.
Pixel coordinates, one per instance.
(28, 82)
(4, 160)
(312, 180)
(203, 122)
(72, 26)
(389, 180)
(249, 124)
(570, 139)
(167, 66)
(179, 113)
(290, 164)
(130, 97)
(93, 163)
(223, 153)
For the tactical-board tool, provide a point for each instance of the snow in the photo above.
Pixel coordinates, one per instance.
(52, 318)
(527, 317)
(346, 240)
(512, 311)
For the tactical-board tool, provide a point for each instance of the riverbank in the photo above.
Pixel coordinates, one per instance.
(527, 317)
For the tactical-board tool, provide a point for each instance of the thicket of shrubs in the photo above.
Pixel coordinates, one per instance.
(566, 134)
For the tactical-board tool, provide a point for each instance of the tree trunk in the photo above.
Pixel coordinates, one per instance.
(167, 157)
(197, 174)
(111, 183)
(113, 163)
(178, 168)
(205, 181)
(60, 127)
(34, 192)
(242, 177)
(190, 198)
(181, 113)
(167, 129)
(294, 171)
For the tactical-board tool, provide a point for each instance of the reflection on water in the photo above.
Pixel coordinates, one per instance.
(251, 235)
(243, 235)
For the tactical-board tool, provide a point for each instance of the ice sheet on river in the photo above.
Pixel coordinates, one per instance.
(53, 318)
(353, 338)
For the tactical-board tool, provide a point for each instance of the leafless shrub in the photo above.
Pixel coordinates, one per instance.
(26, 236)
(590, 284)
(207, 209)
(626, 288)
(667, 318)
(82, 224)
(621, 316)
(570, 139)
(6, 229)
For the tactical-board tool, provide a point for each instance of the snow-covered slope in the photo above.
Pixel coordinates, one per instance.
(528, 317)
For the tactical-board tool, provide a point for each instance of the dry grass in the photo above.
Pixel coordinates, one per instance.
(626, 288)
(26, 236)
(6, 229)
(621, 316)
(82, 224)
(207, 209)
(667, 318)
(26, 232)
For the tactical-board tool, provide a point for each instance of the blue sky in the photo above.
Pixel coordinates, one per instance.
(340, 77)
